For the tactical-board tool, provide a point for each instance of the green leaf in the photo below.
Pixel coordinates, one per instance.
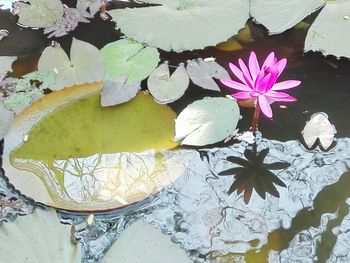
(207, 121)
(6, 65)
(39, 13)
(329, 33)
(278, 16)
(183, 24)
(38, 237)
(129, 58)
(5, 119)
(85, 65)
(165, 88)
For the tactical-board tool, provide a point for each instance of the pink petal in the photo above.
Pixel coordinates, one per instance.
(246, 73)
(242, 95)
(280, 96)
(265, 106)
(253, 65)
(269, 61)
(281, 65)
(288, 84)
(238, 73)
(261, 87)
(272, 80)
(235, 85)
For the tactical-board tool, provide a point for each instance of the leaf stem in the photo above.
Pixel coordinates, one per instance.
(255, 121)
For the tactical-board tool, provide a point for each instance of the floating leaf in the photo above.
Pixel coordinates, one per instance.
(92, 5)
(85, 65)
(118, 91)
(141, 243)
(6, 118)
(18, 101)
(69, 152)
(233, 43)
(319, 127)
(329, 33)
(38, 237)
(129, 58)
(202, 73)
(278, 16)
(207, 121)
(183, 24)
(39, 13)
(3, 33)
(166, 88)
(6, 65)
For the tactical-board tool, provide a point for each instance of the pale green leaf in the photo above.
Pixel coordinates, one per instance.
(166, 88)
(129, 58)
(37, 238)
(278, 15)
(39, 13)
(6, 118)
(331, 30)
(207, 121)
(85, 65)
(141, 243)
(183, 24)
(6, 65)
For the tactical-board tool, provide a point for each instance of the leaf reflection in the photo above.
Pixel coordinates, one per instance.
(253, 173)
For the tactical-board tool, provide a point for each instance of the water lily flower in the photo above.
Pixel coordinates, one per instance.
(259, 83)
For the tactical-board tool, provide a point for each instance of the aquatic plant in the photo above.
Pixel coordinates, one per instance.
(254, 174)
(259, 84)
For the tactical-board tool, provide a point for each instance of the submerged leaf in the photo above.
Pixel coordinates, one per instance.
(202, 73)
(183, 25)
(38, 237)
(329, 33)
(319, 127)
(85, 64)
(141, 243)
(118, 91)
(129, 58)
(278, 16)
(165, 88)
(207, 121)
(39, 13)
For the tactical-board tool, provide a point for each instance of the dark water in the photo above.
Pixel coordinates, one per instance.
(325, 87)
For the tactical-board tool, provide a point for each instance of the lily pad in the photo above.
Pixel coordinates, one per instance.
(85, 64)
(141, 243)
(5, 119)
(207, 121)
(330, 32)
(118, 91)
(319, 128)
(166, 88)
(27, 238)
(183, 24)
(69, 152)
(202, 73)
(278, 16)
(129, 58)
(6, 65)
(39, 13)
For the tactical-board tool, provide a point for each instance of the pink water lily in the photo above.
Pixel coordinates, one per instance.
(259, 83)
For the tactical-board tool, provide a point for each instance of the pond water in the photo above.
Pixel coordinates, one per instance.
(185, 197)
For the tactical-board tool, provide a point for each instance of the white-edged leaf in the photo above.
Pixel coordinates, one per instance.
(118, 91)
(330, 32)
(207, 121)
(6, 118)
(319, 127)
(85, 65)
(278, 15)
(39, 13)
(6, 65)
(38, 237)
(202, 72)
(183, 25)
(126, 57)
(165, 88)
(141, 243)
